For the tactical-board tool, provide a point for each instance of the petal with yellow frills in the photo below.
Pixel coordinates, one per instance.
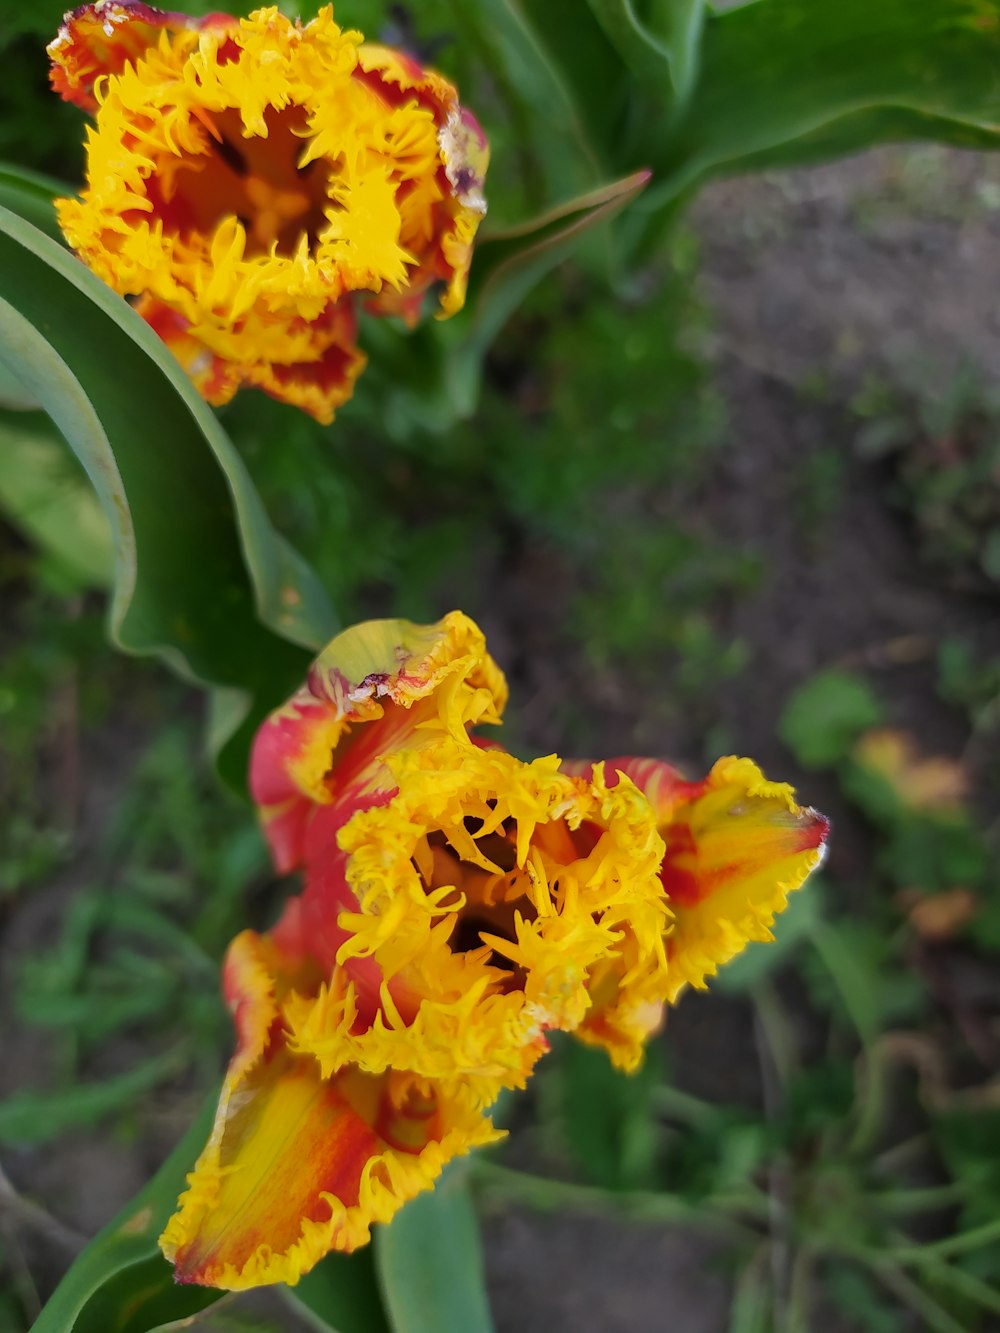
(376, 688)
(100, 39)
(736, 846)
(297, 1163)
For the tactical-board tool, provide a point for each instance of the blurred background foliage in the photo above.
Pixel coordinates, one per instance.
(683, 534)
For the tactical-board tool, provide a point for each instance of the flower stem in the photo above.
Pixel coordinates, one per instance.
(902, 1202)
(934, 1316)
(939, 1249)
(545, 1194)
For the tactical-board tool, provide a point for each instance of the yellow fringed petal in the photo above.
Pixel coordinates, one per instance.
(737, 845)
(299, 1163)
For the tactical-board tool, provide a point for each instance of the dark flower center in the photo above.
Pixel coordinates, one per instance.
(254, 179)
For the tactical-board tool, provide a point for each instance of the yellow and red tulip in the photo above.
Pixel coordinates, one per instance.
(459, 904)
(255, 182)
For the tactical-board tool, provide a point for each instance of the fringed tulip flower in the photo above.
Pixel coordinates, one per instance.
(255, 183)
(458, 906)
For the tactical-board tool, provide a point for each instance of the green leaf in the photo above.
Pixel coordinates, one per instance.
(430, 1265)
(609, 1120)
(201, 577)
(657, 40)
(341, 1293)
(506, 50)
(508, 263)
(826, 715)
(121, 1283)
(13, 397)
(45, 495)
(591, 70)
(859, 979)
(29, 194)
(784, 78)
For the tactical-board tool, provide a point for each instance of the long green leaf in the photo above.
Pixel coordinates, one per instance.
(201, 576)
(590, 68)
(342, 1294)
(45, 495)
(776, 73)
(510, 263)
(659, 40)
(430, 1264)
(121, 1283)
(544, 134)
(30, 195)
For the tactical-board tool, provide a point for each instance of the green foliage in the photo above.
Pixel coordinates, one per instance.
(121, 1283)
(826, 715)
(967, 1143)
(138, 951)
(29, 1118)
(832, 81)
(857, 1296)
(47, 680)
(857, 976)
(198, 565)
(44, 493)
(342, 1291)
(970, 681)
(944, 450)
(606, 1120)
(429, 1264)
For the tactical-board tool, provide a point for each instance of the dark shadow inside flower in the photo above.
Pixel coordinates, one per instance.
(495, 892)
(257, 180)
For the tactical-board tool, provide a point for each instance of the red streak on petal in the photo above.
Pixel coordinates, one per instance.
(681, 884)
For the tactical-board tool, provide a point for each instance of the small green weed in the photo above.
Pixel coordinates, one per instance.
(944, 453)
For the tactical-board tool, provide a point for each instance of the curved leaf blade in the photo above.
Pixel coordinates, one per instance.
(509, 263)
(779, 72)
(341, 1294)
(202, 579)
(44, 495)
(121, 1283)
(30, 195)
(588, 65)
(662, 42)
(430, 1264)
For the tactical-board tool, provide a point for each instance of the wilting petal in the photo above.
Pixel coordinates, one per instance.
(376, 688)
(736, 846)
(440, 216)
(102, 38)
(298, 1164)
(263, 181)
